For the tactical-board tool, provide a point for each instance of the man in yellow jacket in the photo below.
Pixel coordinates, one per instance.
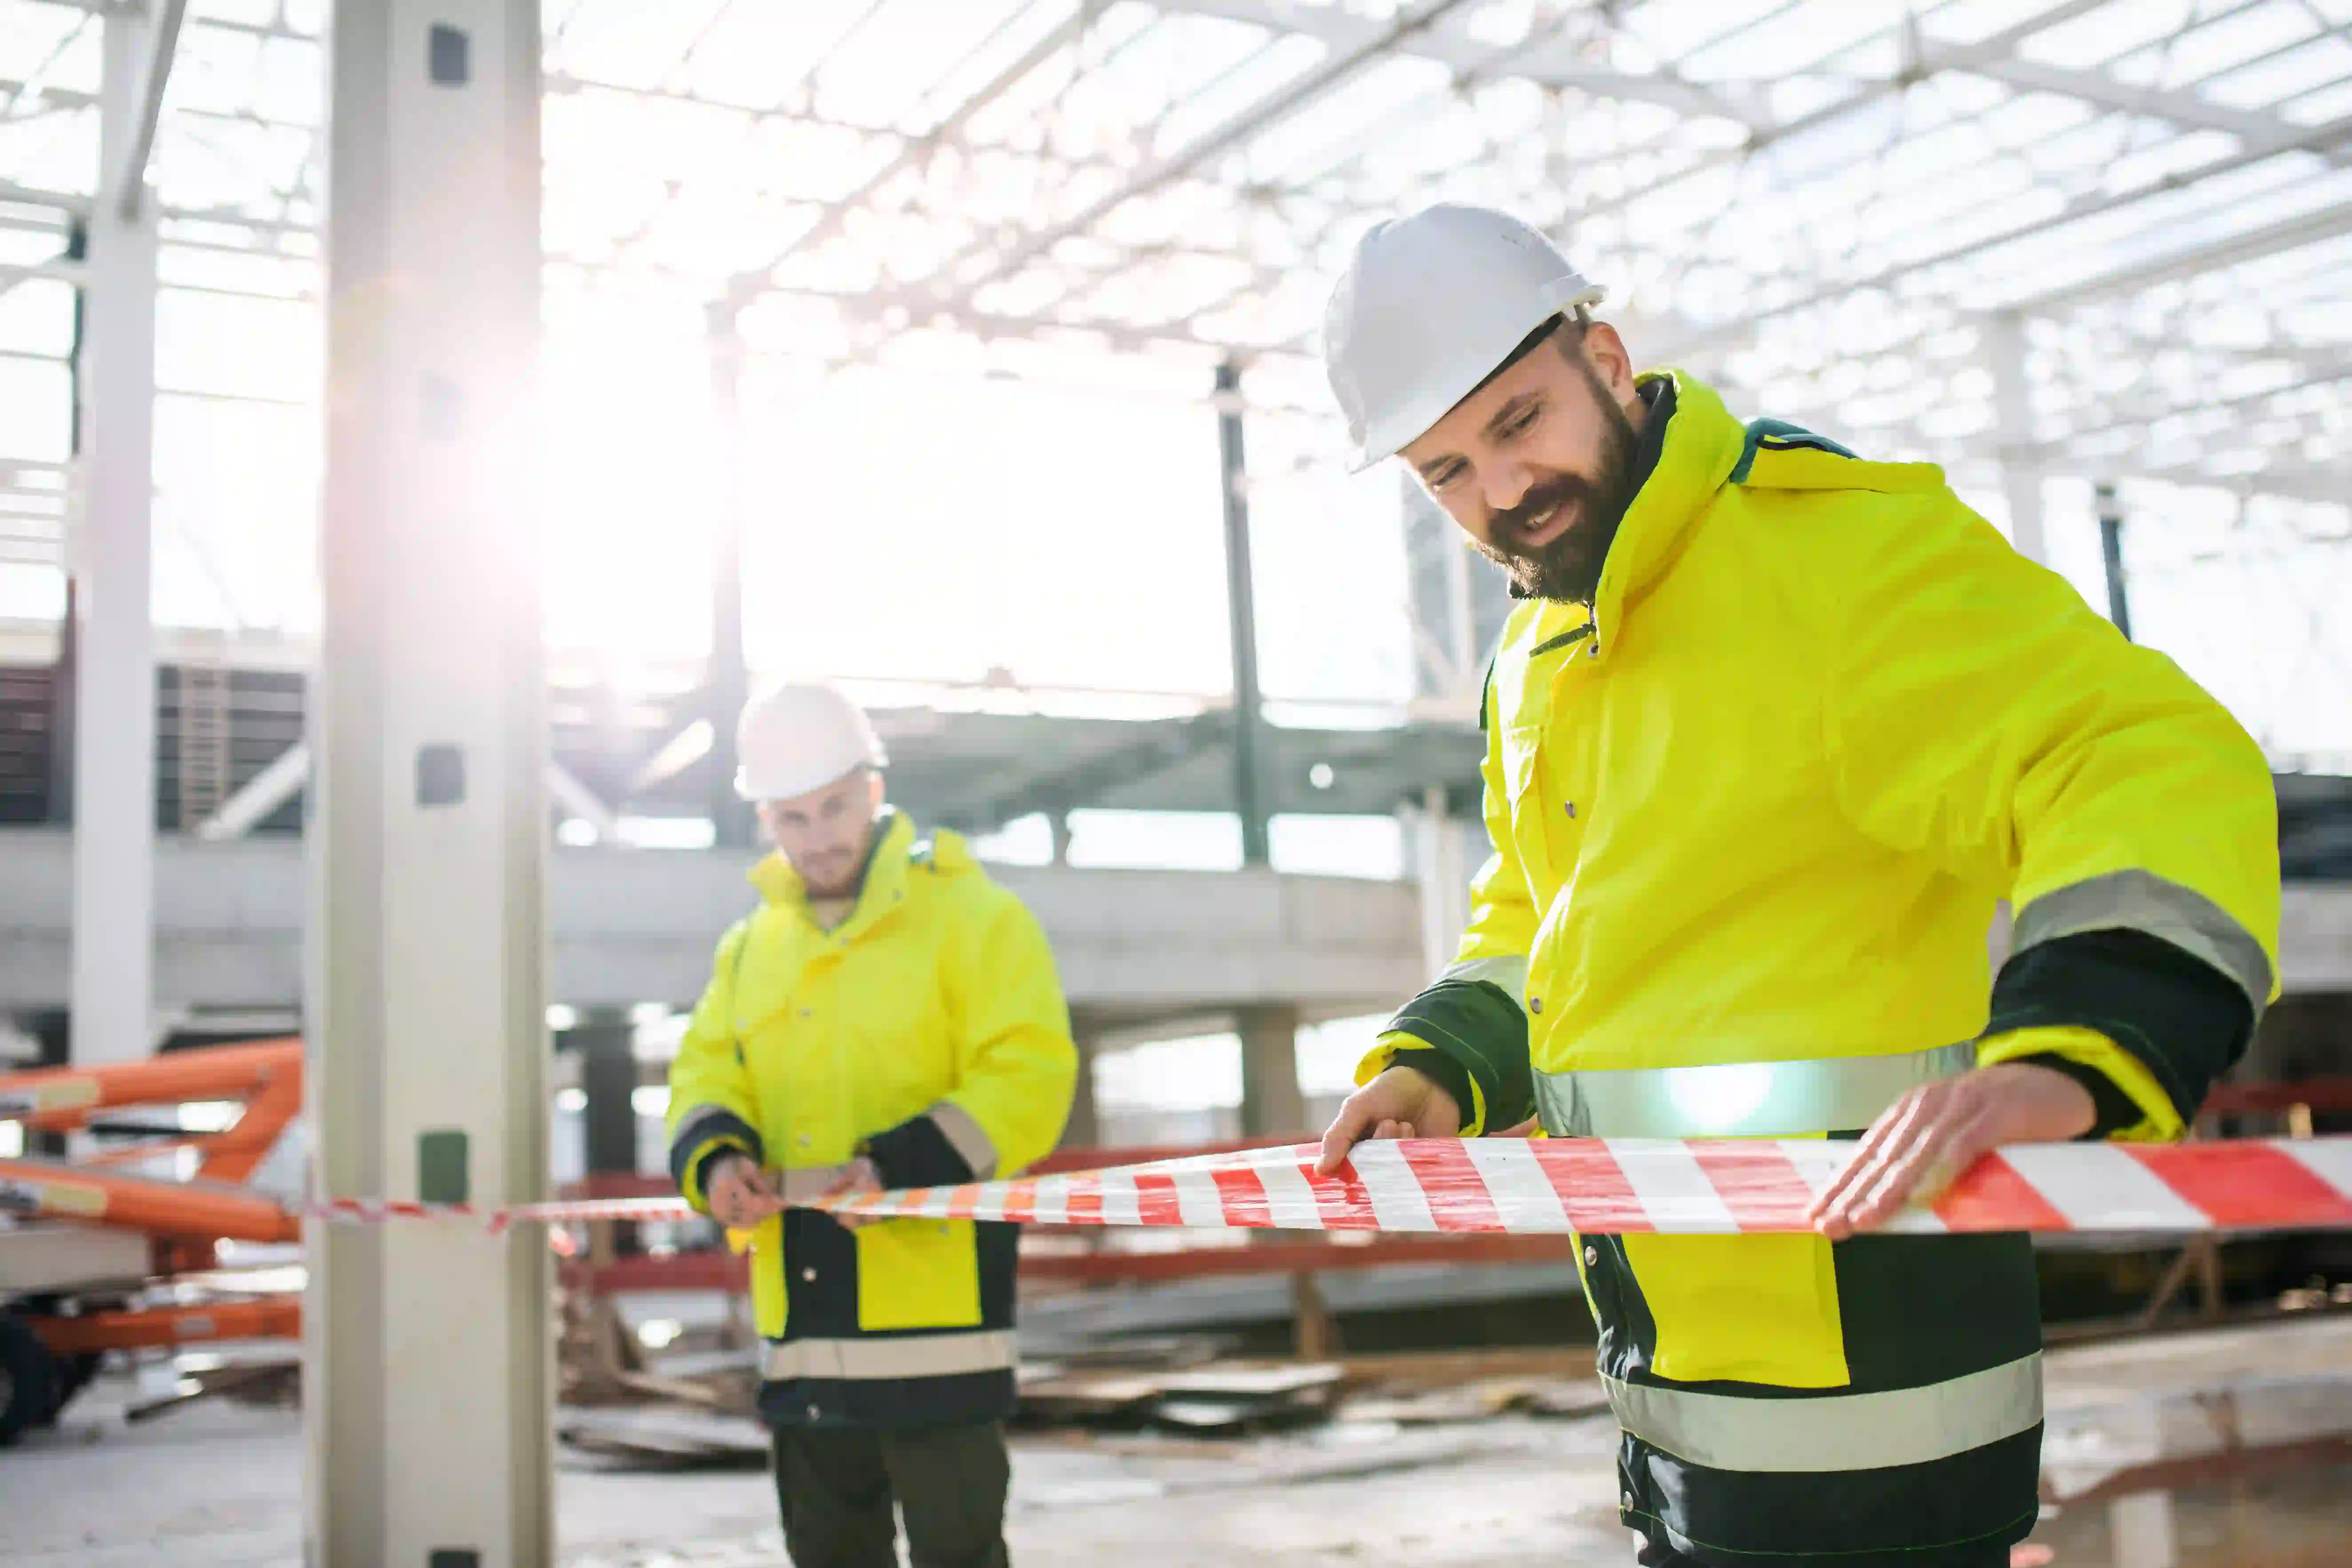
(886, 1017)
(1770, 731)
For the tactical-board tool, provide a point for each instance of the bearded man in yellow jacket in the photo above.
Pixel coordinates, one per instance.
(1770, 733)
(886, 1017)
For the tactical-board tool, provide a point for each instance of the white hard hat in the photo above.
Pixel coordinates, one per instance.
(799, 738)
(1429, 305)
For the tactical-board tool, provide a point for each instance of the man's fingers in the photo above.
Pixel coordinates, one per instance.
(1933, 1161)
(1346, 1129)
(1893, 1132)
(1892, 1140)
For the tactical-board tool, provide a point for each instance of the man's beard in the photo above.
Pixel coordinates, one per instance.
(1568, 568)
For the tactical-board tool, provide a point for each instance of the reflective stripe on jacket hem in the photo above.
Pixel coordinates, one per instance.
(913, 1355)
(1834, 1431)
(1739, 1099)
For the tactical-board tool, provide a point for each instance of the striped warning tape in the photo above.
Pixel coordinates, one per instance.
(1536, 1186)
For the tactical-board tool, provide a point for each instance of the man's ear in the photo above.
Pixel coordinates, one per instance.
(1611, 359)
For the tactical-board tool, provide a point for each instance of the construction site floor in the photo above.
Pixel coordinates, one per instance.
(218, 1485)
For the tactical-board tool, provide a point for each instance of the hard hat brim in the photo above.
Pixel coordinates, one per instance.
(1401, 426)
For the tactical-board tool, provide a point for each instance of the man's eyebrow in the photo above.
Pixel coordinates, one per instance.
(1504, 415)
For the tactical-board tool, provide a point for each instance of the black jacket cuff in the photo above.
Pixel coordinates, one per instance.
(2184, 1020)
(917, 1153)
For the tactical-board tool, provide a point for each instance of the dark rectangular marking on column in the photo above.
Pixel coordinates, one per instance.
(441, 1174)
(447, 60)
(440, 776)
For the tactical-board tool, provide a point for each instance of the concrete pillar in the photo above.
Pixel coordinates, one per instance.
(1441, 849)
(2012, 401)
(113, 638)
(732, 819)
(427, 1375)
(1084, 1128)
(608, 1077)
(1271, 1105)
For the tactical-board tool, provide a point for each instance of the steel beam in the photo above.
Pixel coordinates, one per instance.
(1550, 64)
(1250, 793)
(1269, 111)
(115, 650)
(2230, 250)
(260, 795)
(130, 185)
(732, 817)
(2111, 549)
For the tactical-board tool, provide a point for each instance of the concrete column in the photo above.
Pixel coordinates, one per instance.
(1440, 850)
(2012, 400)
(113, 638)
(427, 1371)
(732, 819)
(1271, 1105)
(1084, 1129)
(608, 1077)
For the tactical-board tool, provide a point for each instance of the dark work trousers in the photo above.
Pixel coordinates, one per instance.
(1649, 1554)
(837, 1488)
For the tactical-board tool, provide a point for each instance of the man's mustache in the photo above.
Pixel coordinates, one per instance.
(1510, 523)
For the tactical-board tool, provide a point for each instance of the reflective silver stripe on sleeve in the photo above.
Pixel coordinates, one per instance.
(2142, 900)
(1510, 973)
(1739, 1099)
(1834, 1431)
(912, 1355)
(966, 1137)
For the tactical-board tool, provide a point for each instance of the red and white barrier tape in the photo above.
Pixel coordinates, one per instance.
(1541, 1187)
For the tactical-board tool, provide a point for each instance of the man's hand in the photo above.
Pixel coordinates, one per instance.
(1932, 1134)
(1402, 1102)
(857, 1176)
(739, 1194)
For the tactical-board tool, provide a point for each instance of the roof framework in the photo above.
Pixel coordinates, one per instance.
(2109, 240)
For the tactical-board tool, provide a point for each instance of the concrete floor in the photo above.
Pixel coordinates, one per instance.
(218, 1485)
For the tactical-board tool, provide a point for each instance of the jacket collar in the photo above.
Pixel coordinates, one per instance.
(1689, 446)
(884, 880)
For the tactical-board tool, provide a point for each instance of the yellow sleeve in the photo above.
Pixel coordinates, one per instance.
(1020, 1066)
(1976, 712)
(710, 1101)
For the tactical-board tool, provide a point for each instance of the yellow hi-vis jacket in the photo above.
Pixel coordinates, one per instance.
(927, 1032)
(1751, 815)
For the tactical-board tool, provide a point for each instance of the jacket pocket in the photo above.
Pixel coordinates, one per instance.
(1748, 1309)
(917, 1274)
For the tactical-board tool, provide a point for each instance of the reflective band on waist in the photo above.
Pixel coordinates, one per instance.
(1834, 1431)
(1739, 1099)
(915, 1356)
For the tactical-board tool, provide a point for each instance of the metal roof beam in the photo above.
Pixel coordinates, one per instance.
(2177, 105)
(2231, 250)
(1968, 57)
(918, 148)
(162, 41)
(1551, 64)
(1271, 110)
